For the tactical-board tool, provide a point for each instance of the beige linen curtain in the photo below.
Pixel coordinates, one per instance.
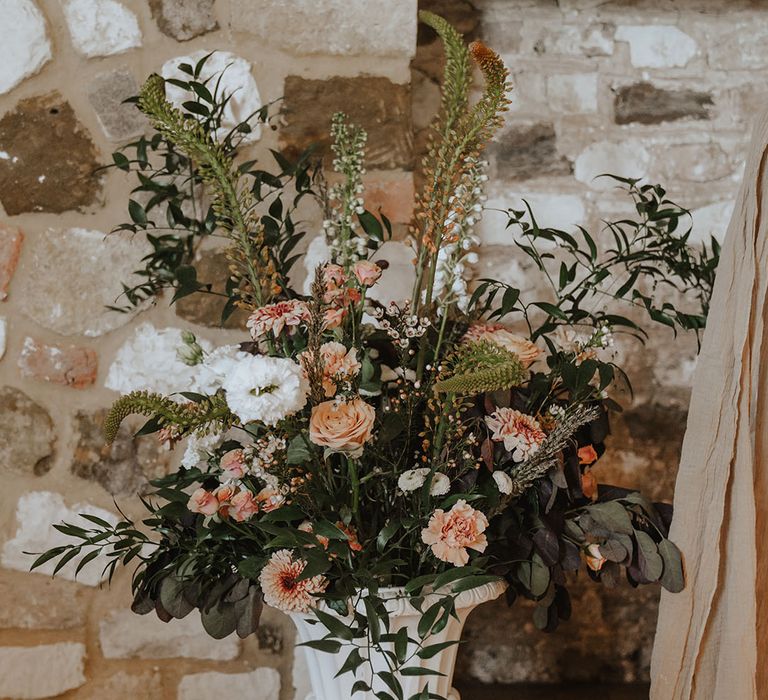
(712, 638)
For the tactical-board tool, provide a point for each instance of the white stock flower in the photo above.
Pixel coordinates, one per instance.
(265, 389)
(503, 482)
(216, 365)
(441, 484)
(413, 479)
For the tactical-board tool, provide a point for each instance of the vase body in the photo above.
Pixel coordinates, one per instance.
(322, 667)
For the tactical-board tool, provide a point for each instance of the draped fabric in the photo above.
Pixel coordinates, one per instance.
(712, 639)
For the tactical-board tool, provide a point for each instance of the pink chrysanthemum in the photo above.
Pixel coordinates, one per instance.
(280, 588)
(275, 317)
(521, 434)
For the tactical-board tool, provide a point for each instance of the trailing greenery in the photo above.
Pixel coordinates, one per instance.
(176, 217)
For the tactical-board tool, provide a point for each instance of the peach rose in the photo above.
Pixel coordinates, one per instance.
(232, 465)
(269, 499)
(587, 455)
(333, 275)
(333, 318)
(589, 485)
(450, 534)
(594, 557)
(496, 333)
(342, 426)
(243, 506)
(367, 272)
(203, 502)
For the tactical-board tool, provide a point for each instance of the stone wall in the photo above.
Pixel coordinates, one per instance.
(659, 89)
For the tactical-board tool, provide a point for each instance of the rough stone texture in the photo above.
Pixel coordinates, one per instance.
(149, 360)
(300, 675)
(11, 239)
(657, 46)
(694, 162)
(377, 104)
(69, 365)
(3, 336)
(25, 45)
(78, 273)
(527, 151)
(236, 80)
(593, 40)
(205, 310)
(123, 634)
(48, 159)
(106, 93)
(261, 684)
(573, 93)
(736, 46)
(270, 638)
(20, 415)
(628, 158)
(101, 27)
(36, 512)
(393, 196)
(122, 468)
(40, 603)
(333, 27)
(41, 671)
(120, 685)
(645, 103)
(184, 19)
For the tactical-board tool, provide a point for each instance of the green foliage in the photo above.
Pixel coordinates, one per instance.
(646, 255)
(481, 367)
(172, 179)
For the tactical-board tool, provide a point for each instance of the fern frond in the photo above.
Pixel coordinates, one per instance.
(233, 205)
(189, 417)
(480, 367)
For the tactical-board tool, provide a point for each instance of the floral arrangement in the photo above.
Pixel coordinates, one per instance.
(386, 425)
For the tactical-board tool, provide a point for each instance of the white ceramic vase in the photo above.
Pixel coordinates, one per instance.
(322, 666)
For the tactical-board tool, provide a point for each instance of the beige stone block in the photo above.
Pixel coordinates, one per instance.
(261, 684)
(123, 635)
(332, 27)
(42, 671)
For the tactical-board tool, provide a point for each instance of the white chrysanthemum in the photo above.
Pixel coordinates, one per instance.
(216, 365)
(199, 449)
(441, 484)
(265, 389)
(413, 479)
(503, 482)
